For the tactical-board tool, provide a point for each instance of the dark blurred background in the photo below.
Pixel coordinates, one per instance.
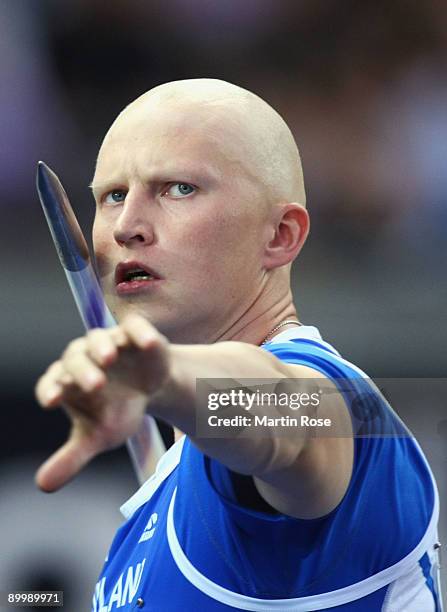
(362, 85)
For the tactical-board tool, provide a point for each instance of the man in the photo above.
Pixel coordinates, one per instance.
(200, 214)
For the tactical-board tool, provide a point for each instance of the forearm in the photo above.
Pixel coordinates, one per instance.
(178, 404)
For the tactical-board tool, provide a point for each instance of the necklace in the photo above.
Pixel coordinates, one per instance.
(282, 324)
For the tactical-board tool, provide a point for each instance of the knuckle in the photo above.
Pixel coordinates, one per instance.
(54, 369)
(74, 346)
(70, 368)
(96, 333)
(126, 321)
(134, 319)
(117, 336)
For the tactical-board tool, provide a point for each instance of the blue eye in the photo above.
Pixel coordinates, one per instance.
(115, 197)
(180, 190)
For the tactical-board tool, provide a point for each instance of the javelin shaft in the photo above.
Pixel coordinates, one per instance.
(146, 446)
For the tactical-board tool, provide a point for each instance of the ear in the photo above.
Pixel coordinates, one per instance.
(290, 231)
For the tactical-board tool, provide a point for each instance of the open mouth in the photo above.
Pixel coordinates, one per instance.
(138, 274)
(131, 276)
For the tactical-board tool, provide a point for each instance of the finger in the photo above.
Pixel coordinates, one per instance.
(142, 333)
(75, 346)
(48, 394)
(119, 337)
(86, 374)
(65, 463)
(50, 387)
(101, 347)
(57, 373)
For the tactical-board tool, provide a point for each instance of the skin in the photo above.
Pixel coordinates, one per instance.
(201, 181)
(220, 282)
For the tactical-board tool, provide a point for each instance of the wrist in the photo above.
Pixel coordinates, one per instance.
(175, 399)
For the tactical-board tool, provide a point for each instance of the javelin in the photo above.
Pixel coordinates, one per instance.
(146, 446)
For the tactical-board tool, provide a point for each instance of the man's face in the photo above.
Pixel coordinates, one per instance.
(173, 199)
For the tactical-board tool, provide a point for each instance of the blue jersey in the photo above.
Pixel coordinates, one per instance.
(188, 544)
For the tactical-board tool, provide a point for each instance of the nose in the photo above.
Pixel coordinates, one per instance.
(133, 226)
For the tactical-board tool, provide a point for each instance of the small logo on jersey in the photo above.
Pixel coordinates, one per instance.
(149, 529)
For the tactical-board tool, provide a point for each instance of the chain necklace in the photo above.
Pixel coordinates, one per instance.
(282, 324)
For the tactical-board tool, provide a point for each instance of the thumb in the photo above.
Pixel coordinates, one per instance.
(66, 463)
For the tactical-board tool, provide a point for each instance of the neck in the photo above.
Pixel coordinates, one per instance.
(258, 321)
(251, 322)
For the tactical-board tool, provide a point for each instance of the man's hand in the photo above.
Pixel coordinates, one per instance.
(103, 380)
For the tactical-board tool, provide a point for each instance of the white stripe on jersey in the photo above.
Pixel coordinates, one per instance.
(299, 604)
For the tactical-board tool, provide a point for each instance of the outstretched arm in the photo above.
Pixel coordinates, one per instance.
(106, 379)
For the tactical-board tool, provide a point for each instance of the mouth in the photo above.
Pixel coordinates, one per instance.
(132, 276)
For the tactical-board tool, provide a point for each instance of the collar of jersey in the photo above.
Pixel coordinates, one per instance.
(167, 463)
(304, 332)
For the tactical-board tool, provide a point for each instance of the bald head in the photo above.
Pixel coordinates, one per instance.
(200, 182)
(243, 127)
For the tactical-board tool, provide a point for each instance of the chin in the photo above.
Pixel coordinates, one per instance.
(120, 311)
(169, 327)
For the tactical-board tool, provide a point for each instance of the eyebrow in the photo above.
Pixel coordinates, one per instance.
(204, 174)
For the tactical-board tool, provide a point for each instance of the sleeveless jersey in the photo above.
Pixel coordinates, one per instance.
(188, 545)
